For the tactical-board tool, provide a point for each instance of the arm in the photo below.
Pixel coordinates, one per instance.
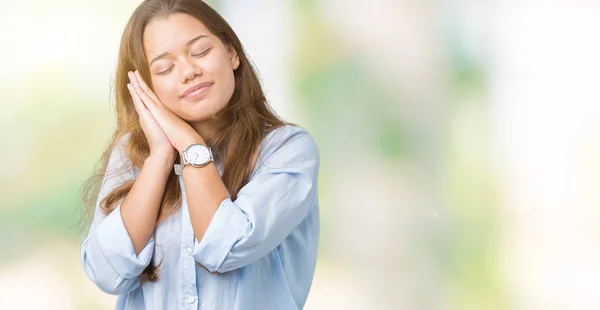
(119, 245)
(233, 234)
(203, 204)
(139, 209)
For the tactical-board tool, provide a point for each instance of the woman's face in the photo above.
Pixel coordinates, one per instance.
(183, 55)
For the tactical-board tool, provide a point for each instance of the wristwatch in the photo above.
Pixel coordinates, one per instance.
(195, 155)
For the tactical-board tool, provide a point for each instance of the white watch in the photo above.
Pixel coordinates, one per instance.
(195, 155)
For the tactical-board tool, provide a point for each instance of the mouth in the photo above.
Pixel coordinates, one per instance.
(197, 90)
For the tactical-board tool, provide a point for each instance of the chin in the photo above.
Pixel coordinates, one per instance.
(202, 110)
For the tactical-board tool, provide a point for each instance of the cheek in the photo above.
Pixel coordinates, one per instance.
(166, 93)
(227, 81)
(228, 85)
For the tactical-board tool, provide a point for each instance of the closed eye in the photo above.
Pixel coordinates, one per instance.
(202, 54)
(166, 71)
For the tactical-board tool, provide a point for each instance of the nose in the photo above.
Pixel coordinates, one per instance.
(189, 70)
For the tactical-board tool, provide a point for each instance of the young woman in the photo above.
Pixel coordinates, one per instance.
(207, 199)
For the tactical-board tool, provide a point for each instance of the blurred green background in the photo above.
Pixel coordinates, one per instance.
(460, 160)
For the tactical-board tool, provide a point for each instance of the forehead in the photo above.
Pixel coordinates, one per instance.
(166, 34)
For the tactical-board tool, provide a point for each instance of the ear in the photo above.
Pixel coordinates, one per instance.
(234, 57)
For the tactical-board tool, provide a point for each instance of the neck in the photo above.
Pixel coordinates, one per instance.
(204, 129)
(209, 128)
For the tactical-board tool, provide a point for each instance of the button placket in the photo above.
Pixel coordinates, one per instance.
(190, 299)
(187, 235)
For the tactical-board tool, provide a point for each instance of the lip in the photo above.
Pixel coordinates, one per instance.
(196, 90)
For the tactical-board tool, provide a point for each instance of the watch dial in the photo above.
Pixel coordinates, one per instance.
(197, 154)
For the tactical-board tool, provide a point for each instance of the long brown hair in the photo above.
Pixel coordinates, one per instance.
(240, 126)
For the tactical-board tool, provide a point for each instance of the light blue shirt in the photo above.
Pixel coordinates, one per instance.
(262, 246)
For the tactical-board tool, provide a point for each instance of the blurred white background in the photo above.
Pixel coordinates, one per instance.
(460, 145)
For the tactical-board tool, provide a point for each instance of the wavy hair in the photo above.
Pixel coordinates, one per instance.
(240, 126)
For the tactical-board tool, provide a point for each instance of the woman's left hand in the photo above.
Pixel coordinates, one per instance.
(180, 133)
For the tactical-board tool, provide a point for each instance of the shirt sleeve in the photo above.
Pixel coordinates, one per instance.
(267, 209)
(107, 254)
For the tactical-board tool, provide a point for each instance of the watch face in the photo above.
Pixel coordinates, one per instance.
(197, 154)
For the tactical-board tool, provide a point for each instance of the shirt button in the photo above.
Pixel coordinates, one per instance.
(188, 251)
(191, 299)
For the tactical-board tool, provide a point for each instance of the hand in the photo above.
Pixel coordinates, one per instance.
(157, 139)
(177, 131)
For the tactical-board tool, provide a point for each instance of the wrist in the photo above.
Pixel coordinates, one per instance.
(170, 154)
(165, 160)
(189, 141)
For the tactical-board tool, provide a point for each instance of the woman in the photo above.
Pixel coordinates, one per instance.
(208, 200)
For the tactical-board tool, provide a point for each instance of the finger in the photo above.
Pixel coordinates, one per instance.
(137, 89)
(148, 102)
(137, 103)
(145, 88)
(132, 99)
(151, 111)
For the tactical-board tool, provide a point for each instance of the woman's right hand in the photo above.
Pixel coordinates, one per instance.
(157, 139)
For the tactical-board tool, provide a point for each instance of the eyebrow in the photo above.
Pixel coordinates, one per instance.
(190, 42)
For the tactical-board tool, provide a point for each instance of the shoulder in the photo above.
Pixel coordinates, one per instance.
(118, 152)
(123, 140)
(289, 137)
(289, 145)
(119, 163)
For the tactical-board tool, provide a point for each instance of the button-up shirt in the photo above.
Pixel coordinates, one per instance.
(259, 251)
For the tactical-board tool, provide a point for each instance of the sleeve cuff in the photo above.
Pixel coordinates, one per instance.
(117, 247)
(223, 231)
